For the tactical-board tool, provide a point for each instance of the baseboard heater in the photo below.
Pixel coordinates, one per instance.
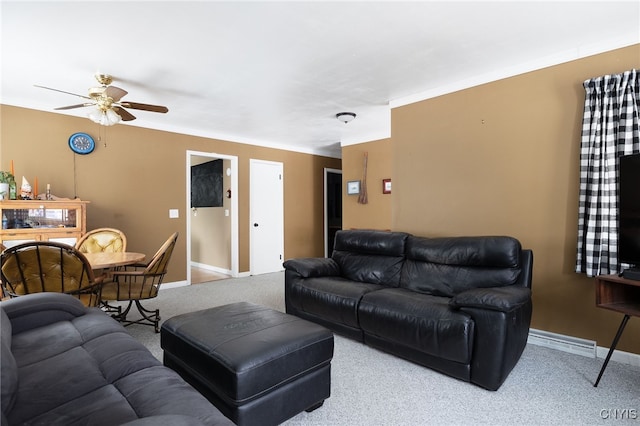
(564, 343)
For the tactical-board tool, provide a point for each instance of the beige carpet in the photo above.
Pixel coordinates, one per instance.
(369, 387)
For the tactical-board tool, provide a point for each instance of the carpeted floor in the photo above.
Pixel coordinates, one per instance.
(370, 387)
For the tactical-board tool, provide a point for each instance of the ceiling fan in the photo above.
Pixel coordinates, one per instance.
(108, 106)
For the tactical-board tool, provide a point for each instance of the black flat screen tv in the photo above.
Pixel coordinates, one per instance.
(206, 184)
(629, 211)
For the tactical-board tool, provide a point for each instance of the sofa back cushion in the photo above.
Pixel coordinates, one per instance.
(448, 266)
(368, 256)
(8, 366)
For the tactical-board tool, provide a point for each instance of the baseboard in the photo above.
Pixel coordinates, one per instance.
(175, 284)
(562, 342)
(220, 270)
(579, 346)
(620, 356)
(211, 268)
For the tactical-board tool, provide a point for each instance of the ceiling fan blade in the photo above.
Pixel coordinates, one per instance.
(145, 107)
(124, 114)
(74, 106)
(62, 91)
(115, 93)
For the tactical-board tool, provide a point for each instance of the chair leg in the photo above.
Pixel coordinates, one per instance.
(106, 307)
(120, 315)
(149, 317)
(153, 316)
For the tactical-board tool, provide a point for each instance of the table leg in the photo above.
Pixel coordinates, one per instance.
(613, 347)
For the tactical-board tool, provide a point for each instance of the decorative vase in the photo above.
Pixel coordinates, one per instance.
(4, 191)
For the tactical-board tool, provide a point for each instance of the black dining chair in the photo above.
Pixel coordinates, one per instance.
(138, 282)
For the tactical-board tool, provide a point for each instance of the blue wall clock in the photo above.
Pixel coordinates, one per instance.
(81, 143)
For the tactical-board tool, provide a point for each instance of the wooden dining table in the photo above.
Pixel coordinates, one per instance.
(105, 260)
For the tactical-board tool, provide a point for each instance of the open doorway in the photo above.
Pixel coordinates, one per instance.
(212, 231)
(332, 207)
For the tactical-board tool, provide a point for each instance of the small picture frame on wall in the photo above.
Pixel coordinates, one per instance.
(386, 186)
(353, 187)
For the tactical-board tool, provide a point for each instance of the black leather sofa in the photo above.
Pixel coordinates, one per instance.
(64, 364)
(459, 305)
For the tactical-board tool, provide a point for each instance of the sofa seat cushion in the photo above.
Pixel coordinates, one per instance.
(334, 298)
(46, 355)
(420, 321)
(41, 343)
(89, 370)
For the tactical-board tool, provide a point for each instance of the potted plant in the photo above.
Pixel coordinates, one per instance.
(6, 180)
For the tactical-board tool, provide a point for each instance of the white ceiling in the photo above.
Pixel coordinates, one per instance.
(276, 73)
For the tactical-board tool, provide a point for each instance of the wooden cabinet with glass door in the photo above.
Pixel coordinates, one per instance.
(37, 220)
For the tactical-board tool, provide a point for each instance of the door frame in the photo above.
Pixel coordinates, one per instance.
(326, 206)
(253, 161)
(234, 208)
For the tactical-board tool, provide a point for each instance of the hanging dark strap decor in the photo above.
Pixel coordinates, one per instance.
(363, 198)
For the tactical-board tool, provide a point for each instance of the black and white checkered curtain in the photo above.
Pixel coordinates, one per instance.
(609, 130)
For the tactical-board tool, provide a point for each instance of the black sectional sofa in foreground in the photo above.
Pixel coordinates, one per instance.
(64, 364)
(459, 305)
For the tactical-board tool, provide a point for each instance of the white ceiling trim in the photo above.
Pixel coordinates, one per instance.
(331, 151)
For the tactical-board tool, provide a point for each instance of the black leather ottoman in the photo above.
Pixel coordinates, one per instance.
(257, 365)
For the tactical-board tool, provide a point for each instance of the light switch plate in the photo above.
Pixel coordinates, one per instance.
(174, 214)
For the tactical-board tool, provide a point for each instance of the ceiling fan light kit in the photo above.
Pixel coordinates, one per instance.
(105, 117)
(107, 108)
(345, 117)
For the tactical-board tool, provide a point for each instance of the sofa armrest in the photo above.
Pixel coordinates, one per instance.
(39, 309)
(313, 267)
(501, 316)
(526, 268)
(503, 299)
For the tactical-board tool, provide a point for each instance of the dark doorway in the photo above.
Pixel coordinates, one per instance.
(333, 207)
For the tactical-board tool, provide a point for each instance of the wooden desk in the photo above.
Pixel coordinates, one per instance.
(104, 260)
(620, 295)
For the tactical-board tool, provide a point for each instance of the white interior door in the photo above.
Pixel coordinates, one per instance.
(267, 216)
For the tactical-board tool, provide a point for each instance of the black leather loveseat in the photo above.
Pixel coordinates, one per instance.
(64, 364)
(459, 305)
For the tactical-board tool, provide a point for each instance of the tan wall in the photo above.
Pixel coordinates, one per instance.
(503, 158)
(376, 214)
(140, 174)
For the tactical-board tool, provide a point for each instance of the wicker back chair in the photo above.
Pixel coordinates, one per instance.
(139, 282)
(42, 266)
(102, 240)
